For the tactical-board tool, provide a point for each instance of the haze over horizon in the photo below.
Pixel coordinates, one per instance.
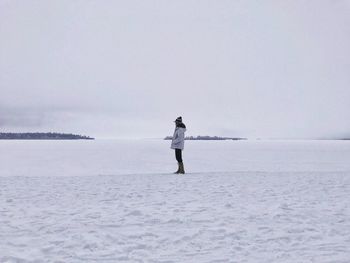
(269, 69)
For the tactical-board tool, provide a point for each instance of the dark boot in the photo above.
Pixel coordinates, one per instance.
(181, 168)
(178, 169)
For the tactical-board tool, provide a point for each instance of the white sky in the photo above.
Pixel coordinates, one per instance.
(129, 68)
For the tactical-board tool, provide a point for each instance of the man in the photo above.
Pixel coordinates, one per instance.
(178, 143)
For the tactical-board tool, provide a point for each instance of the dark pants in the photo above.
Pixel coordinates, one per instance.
(178, 155)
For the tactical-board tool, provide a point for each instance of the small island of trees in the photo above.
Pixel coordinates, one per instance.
(42, 136)
(206, 138)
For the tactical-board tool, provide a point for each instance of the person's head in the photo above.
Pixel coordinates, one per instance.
(178, 120)
(179, 123)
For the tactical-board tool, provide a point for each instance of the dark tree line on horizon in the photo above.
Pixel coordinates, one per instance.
(42, 136)
(206, 138)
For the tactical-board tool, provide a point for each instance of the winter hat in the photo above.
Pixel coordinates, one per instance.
(178, 119)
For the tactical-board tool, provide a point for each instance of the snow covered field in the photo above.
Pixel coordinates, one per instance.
(117, 201)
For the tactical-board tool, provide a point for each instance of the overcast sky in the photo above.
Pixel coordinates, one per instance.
(129, 68)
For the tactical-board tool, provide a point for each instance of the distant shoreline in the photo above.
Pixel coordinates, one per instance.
(208, 138)
(42, 136)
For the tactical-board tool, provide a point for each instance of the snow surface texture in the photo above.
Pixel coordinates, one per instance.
(115, 201)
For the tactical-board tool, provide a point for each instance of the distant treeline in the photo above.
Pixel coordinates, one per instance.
(42, 136)
(206, 138)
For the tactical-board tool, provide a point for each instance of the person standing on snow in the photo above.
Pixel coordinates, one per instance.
(178, 143)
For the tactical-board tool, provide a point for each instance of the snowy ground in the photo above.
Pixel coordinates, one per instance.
(115, 201)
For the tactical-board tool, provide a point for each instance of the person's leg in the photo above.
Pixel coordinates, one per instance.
(178, 163)
(178, 153)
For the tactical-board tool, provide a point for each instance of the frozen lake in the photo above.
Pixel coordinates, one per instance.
(117, 201)
(115, 157)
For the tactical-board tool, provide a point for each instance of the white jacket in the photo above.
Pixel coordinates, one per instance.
(178, 138)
